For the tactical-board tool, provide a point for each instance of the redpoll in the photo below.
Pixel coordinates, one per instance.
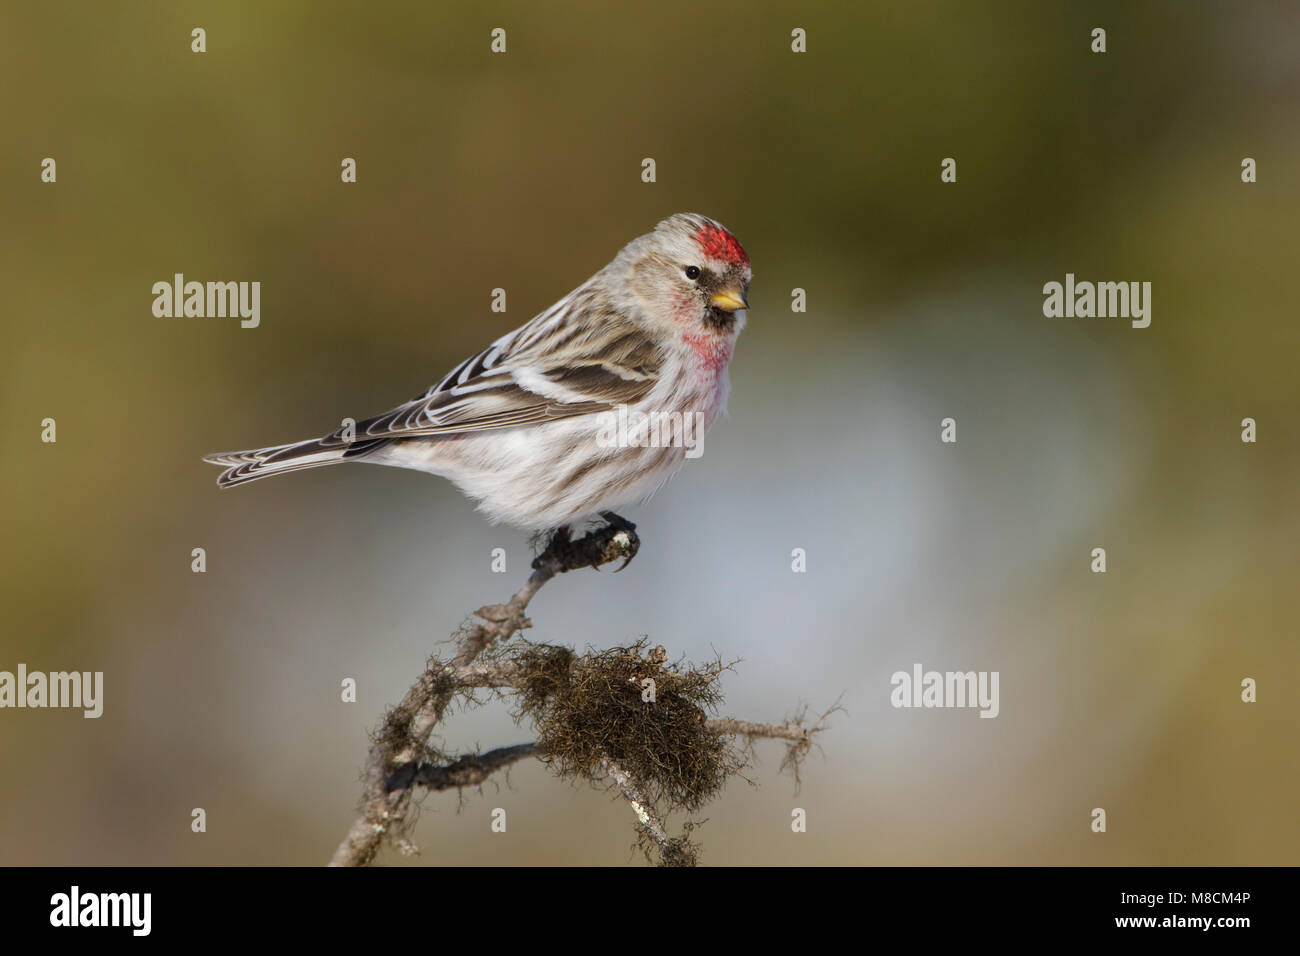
(590, 406)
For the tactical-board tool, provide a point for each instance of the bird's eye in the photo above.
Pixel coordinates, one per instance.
(692, 272)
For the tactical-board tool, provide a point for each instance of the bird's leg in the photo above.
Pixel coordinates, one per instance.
(558, 545)
(617, 539)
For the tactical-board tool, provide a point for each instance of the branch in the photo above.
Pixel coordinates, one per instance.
(405, 733)
(473, 769)
(747, 728)
(470, 770)
(400, 758)
(668, 848)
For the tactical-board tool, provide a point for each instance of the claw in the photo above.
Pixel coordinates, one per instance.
(625, 537)
(618, 521)
(629, 544)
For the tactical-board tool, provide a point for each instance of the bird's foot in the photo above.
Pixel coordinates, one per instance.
(617, 539)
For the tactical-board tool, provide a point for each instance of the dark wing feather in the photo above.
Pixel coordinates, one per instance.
(532, 376)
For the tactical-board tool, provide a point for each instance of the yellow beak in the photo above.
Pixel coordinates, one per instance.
(729, 300)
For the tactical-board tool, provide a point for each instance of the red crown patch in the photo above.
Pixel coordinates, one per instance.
(721, 245)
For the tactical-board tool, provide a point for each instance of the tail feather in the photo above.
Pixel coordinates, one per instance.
(245, 466)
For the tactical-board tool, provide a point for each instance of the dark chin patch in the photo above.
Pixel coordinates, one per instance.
(716, 320)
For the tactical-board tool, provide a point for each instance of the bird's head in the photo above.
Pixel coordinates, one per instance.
(694, 274)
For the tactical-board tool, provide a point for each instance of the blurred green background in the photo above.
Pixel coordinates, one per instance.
(522, 171)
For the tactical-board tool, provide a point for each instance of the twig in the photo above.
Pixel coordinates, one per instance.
(405, 734)
(471, 769)
(642, 808)
(396, 764)
(747, 728)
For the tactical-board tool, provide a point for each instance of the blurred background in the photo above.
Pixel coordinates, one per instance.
(522, 171)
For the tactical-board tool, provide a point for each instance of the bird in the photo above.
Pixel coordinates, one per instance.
(524, 427)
